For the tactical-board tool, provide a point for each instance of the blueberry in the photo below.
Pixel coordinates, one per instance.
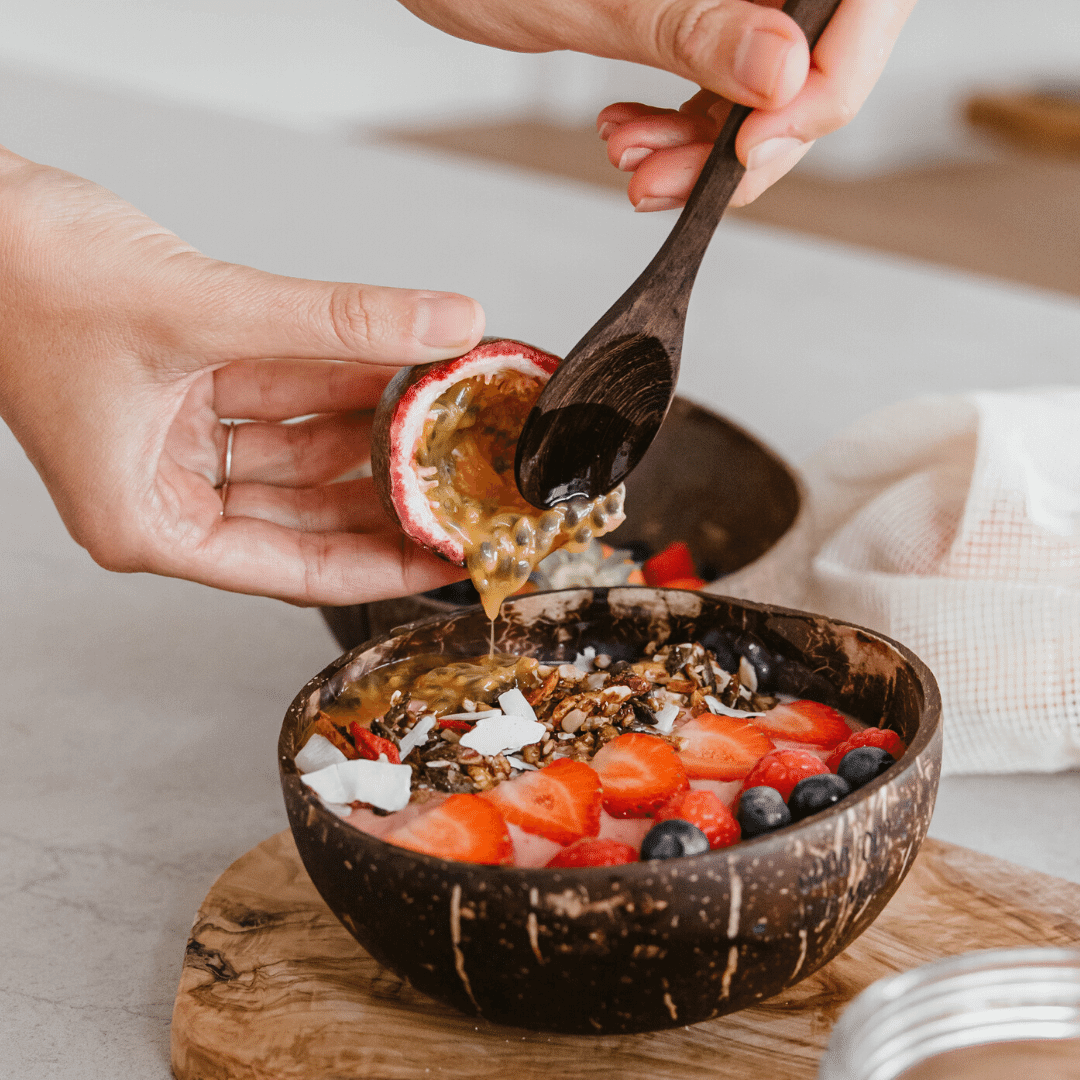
(863, 764)
(814, 793)
(673, 839)
(761, 810)
(719, 644)
(760, 659)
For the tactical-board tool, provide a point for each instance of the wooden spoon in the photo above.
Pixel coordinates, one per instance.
(601, 409)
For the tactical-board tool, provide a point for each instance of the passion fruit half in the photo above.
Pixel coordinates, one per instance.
(443, 446)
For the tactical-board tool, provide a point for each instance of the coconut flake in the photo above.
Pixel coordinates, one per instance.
(720, 709)
(665, 719)
(518, 763)
(747, 674)
(415, 736)
(318, 753)
(514, 703)
(377, 782)
(436, 764)
(497, 734)
(471, 715)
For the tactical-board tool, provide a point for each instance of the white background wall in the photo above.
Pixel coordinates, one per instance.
(326, 64)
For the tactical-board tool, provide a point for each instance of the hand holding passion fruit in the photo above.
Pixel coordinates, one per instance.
(121, 403)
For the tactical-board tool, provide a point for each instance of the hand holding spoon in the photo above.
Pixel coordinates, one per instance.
(602, 408)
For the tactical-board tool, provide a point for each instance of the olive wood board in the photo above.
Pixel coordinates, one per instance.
(274, 988)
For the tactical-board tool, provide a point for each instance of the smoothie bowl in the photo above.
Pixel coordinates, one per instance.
(650, 944)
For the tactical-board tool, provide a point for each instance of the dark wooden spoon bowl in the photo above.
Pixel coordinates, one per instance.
(603, 407)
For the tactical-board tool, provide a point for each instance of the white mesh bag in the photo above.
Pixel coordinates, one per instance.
(953, 525)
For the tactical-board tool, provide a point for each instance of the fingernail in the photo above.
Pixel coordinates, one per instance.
(606, 128)
(445, 321)
(646, 205)
(633, 157)
(770, 150)
(759, 61)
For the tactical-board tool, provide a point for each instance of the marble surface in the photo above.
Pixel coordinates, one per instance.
(139, 715)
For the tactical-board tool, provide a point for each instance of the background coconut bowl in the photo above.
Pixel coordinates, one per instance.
(648, 945)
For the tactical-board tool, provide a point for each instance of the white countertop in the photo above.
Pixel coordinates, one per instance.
(140, 715)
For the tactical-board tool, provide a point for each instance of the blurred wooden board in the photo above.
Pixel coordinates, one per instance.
(1015, 216)
(274, 988)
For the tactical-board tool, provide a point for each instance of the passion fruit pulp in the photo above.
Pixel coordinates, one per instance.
(443, 447)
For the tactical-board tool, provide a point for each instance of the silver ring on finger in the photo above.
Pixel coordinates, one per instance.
(227, 471)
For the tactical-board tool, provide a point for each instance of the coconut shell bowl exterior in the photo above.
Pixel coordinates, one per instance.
(647, 945)
(704, 481)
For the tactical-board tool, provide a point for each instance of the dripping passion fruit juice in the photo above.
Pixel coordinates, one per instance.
(505, 759)
(444, 439)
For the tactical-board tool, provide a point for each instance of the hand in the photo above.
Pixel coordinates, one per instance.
(735, 51)
(122, 349)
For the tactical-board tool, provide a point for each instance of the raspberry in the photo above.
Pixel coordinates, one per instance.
(782, 770)
(705, 810)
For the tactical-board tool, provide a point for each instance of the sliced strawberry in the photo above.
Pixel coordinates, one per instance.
(887, 740)
(705, 810)
(371, 746)
(592, 852)
(675, 561)
(463, 827)
(805, 722)
(721, 747)
(783, 769)
(560, 802)
(639, 773)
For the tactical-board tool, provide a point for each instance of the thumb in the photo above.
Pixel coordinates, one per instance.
(234, 312)
(751, 54)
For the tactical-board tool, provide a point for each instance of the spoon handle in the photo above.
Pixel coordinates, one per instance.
(663, 288)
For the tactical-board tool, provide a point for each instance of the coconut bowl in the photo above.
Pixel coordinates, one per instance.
(648, 945)
(704, 481)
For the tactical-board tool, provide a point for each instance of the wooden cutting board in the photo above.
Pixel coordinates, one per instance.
(274, 988)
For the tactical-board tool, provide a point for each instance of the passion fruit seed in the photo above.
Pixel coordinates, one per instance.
(486, 557)
(523, 534)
